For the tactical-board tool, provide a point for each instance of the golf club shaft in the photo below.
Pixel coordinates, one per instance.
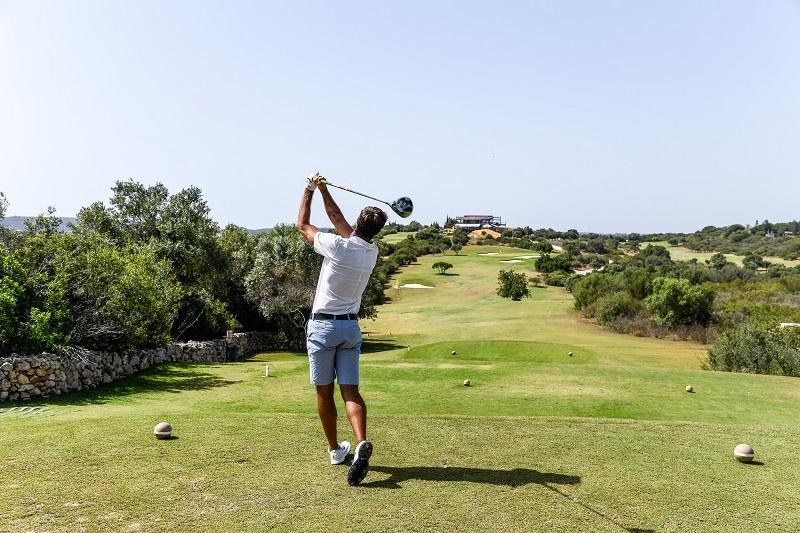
(329, 184)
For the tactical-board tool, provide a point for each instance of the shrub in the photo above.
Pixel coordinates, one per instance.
(676, 301)
(757, 347)
(611, 307)
(547, 263)
(591, 287)
(556, 279)
(512, 285)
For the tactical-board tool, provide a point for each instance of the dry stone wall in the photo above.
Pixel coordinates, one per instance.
(29, 376)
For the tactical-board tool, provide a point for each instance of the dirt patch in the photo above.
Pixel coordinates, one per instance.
(483, 233)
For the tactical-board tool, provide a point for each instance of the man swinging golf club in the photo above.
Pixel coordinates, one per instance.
(333, 334)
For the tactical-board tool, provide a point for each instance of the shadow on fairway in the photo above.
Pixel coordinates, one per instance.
(516, 477)
(373, 346)
(172, 378)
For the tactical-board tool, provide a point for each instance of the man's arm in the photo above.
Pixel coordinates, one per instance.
(334, 213)
(304, 216)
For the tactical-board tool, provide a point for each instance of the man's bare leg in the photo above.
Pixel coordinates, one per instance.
(327, 414)
(356, 410)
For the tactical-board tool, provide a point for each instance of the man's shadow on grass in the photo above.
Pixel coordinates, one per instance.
(516, 477)
(379, 345)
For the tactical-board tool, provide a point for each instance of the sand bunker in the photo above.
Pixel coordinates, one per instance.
(414, 286)
(512, 261)
(525, 256)
(491, 253)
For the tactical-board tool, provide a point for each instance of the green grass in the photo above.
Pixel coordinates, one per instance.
(394, 238)
(680, 253)
(605, 440)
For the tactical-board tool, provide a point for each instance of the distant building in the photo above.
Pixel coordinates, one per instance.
(479, 221)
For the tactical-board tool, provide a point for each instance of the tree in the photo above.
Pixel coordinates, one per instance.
(676, 301)
(46, 224)
(284, 275)
(597, 246)
(449, 222)
(455, 247)
(6, 235)
(459, 237)
(239, 249)
(120, 298)
(717, 261)
(753, 261)
(178, 229)
(442, 266)
(513, 285)
(572, 249)
(547, 263)
(34, 310)
(443, 244)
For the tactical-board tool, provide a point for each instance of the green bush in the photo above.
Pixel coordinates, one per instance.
(676, 301)
(556, 279)
(757, 347)
(611, 307)
(547, 263)
(591, 287)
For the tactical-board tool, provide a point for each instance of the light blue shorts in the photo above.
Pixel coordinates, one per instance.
(334, 348)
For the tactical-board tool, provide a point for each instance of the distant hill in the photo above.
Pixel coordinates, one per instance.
(18, 223)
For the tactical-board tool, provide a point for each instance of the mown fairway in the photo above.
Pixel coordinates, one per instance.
(606, 440)
(681, 253)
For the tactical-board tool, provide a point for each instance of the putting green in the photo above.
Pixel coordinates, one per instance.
(605, 440)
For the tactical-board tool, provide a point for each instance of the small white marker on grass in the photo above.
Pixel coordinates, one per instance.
(266, 370)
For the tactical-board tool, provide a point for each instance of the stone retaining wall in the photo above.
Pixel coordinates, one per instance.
(26, 376)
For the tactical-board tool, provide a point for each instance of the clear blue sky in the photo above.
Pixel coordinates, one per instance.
(599, 115)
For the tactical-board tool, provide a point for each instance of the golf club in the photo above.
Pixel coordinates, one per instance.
(402, 206)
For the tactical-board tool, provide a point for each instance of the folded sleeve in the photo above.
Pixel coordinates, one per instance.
(325, 244)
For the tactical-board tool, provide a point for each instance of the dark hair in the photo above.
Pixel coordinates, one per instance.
(370, 221)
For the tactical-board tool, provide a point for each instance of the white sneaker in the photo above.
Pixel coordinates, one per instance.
(340, 454)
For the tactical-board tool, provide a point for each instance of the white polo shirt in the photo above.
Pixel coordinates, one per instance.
(346, 268)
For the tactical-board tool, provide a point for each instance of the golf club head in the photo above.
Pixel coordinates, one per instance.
(403, 206)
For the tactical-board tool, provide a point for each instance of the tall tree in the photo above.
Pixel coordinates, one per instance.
(284, 275)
